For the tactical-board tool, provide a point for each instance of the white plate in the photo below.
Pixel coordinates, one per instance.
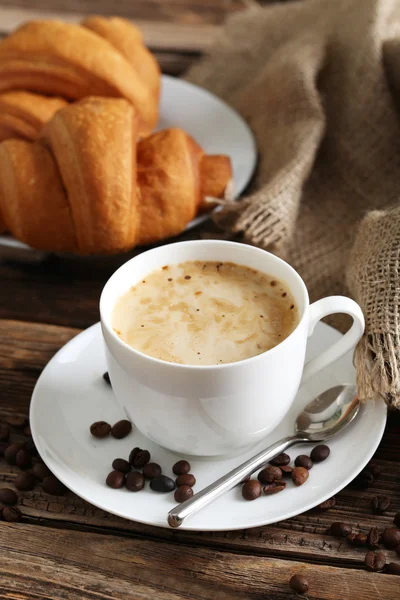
(71, 394)
(211, 122)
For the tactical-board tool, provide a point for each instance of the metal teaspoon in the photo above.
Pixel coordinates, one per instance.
(324, 417)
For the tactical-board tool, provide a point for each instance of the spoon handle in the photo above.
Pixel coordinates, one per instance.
(177, 515)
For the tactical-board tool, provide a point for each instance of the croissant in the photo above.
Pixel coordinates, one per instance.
(104, 57)
(87, 186)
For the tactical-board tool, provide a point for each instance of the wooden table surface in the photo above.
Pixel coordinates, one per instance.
(65, 548)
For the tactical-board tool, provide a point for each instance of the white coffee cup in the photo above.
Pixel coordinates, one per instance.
(216, 409)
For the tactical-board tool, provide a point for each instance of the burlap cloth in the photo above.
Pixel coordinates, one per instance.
(318, 81)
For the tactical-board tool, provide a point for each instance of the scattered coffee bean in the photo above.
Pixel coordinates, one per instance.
(357, 539)
(373, 539)
(25, 481)
(4, 433)
(363, 480)
(121, 429)
(10, 454)
(299, 584)
(40, 471)
(8, 496)
(3, 447)
(141, 458)
(162, 483)
(391, 538)
(17, 421)
(122, 465)
(52, 485)
(286, 470)
(132, 454)
(184, 492)
(269, 474)
(181, 467)
(115, 480)
(299, 475)
(100, 429)
(375, 561)
(274, 488)
(106, 378)
(28, 431)
(134, 481)
(251, 490)
(380, 504)
(304, 461)
(320, 453)
(374, 470)
(12, 514)
(151, 470)
(340, 529)
(280, 460)
(30, 447)
(330, 503)
(23, 459)
(393, 568)
(186, 479)
(396, 519)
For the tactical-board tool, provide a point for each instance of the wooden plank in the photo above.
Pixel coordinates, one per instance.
(53, 563)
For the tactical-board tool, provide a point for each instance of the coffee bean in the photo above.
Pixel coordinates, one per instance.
(162, 483)
(52, 485)
(4, 433)
(330, 503)
(357, 539)
(17, 421)
(299, 475)
(363, 480)
(100, 429)
(373, 469)
(28, 431)
(374, 561)
(380, 504)
(122, 465)
(184, 492)
(299, 584)
(186, 479)
(391, 538)
(181, 467)
(320, 453)
(393, 568)
(30, 447)
(40, 471)
(106, 378)
(23, 459)
(12, 514)
(115, 480)
(340, 529)
(396, 519)
(8, 496)
(269, 474)
(151, 470)
(3, 447)
(280, 460)
(134, 481)
(10, 454)
(373, 539)
(25, 481)
(274, 488)
(140, 458)
(132, 454)
(251, 490)
(304, 461)
(121, 429)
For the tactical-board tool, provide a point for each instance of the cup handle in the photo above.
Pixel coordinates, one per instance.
(319, 310)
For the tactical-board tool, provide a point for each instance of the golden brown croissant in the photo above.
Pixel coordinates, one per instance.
(87, 186)
(104, 57)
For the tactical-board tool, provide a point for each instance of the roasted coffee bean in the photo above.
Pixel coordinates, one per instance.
(3, 447)
(299, 584)
(52, 485)
(280, 460)
(132, 454)
(23, 459)
(251, 490)
(330, 503)
(28, 431)
(340, 529)
(8, 496)
(151, 470)
(286, 470)
(121, 429)
(162, 483)
(373, 539)
(396, 519)
(134, 481)
(393, 568)
(375, 561)
(186, 479)
(299, 475)
(10, 454)
(320, 453)
(100, 429)
(373, 469)
(115, 480)
(357, 539)
(304, 461)
(269, 474)
(30, 447)
(274, 488)
(140, 459)
(363, 480)
(181, 467)
(4, 433)
(12, 514)
(106, 378)
(40, 471)
(184, 492)
(391, 538)
(122, 465)
(380, 504)
(17, 421)
(25, 481)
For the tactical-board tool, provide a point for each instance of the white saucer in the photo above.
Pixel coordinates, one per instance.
(211, 122)
(71, 394)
